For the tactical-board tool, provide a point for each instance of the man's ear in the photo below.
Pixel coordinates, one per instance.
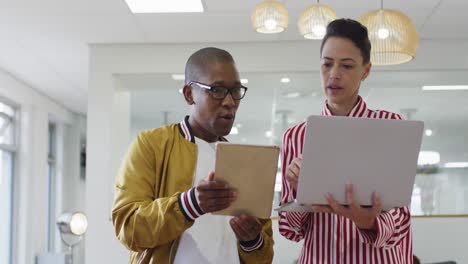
(188, 95)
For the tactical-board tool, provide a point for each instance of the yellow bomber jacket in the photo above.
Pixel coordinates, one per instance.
(148, 213)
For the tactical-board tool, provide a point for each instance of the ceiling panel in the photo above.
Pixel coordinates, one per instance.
(55, 33)
(448, 21)
(63, 7)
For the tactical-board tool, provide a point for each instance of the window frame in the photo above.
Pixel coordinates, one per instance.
(52, 185)
(14, 195)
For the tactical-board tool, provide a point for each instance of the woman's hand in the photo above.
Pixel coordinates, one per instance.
(363, 218)
(292, 172)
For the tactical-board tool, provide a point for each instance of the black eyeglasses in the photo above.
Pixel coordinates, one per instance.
(220, 92)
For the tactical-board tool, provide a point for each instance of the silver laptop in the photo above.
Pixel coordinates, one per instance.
(372, 154)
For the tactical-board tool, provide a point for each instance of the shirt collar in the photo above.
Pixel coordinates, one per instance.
(358, 110)
(187, 132)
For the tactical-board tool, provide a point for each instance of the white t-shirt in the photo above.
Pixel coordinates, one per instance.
(210, 239)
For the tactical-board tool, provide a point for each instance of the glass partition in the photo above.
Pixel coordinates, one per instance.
(276, 101)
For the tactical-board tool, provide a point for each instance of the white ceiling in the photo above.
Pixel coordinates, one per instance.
(45, 43)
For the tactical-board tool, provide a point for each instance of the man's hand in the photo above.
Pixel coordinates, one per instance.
(213, 195)
(363, 218)
(292, 172)
(245, 227)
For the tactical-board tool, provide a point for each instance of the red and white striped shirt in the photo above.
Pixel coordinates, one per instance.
(334, 239)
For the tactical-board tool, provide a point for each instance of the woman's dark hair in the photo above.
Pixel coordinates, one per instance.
(352, 30)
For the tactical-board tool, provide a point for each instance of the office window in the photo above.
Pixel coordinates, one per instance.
(7, 125)
(51, 172)
(7, 153)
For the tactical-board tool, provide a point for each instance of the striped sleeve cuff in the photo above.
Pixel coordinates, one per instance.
(296, 219)
(252, 245)
(377, 237)
(392, 226)
(189, 206)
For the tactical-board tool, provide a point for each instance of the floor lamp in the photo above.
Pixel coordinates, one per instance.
(72, 227)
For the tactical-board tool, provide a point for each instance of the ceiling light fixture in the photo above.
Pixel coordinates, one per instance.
(285, 80)
(178, 77)
(314, 20)
(393, 36)
(270, 16)
(445, 87)
(164, 6)
(456, 165)
(293, 95)
(428, 158)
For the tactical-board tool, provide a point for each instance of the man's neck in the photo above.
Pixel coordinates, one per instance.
(199, 132)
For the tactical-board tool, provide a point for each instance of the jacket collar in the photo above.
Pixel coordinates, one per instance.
(187, 132)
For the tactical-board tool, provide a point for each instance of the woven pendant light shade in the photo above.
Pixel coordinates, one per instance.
(393, 36)
(270, 16)
(314, 20)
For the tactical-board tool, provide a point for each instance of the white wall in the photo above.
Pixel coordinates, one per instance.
(101, 244)
(441, 239)
(31, 178)
(108, 60)
(72, 184)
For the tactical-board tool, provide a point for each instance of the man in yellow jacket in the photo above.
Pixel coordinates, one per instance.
(166, 188)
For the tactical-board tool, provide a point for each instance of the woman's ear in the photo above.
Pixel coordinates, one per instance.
(188, 95)
(367, 69)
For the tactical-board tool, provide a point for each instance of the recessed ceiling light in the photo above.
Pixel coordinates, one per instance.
(293, 95)
(428, 158)
(239, 125)
(181, 91)
(445, 87)
(285, 80)
(178, 77)
(268, 134)
(428, 132)
(456, 165)
(165, 6)
(244, 81)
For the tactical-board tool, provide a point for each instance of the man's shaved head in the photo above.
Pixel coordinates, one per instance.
(196, 64)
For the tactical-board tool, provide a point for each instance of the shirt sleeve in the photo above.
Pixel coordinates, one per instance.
(292, 225)
(392, 227)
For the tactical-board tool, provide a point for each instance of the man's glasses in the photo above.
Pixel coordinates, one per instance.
(220, 92)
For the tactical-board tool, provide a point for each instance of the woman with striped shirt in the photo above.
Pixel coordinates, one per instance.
(337, 234)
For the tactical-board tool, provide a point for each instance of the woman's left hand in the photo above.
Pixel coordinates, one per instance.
(363, 217)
